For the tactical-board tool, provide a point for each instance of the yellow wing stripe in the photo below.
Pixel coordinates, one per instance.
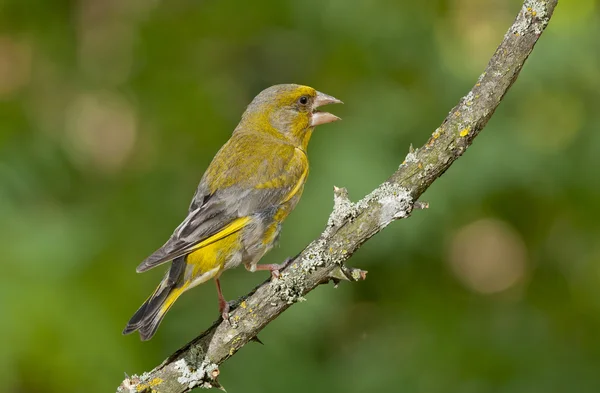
(233, 227)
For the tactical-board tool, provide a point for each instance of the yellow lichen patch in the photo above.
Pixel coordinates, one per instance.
(155, 382)
(457, 113)
(533, 13)
(420, 166)
(234, 344)
(243, 304)
(465, 132)
(147, 387)
(436, 134)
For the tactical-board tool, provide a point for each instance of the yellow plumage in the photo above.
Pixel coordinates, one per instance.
(204, 264)
(251, 186)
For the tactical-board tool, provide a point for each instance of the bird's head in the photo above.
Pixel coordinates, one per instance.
(290, 110)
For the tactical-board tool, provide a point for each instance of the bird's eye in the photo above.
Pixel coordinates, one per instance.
(303, 100)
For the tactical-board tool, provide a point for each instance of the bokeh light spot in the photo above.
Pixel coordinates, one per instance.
(488, 256)
(101, 131)
(15, 65)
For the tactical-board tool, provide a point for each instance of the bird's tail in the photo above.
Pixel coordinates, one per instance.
(147, 318)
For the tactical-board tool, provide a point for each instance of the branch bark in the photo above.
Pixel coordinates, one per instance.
(351, 224)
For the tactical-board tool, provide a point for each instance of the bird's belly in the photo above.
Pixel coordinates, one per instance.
(209, 261)
(262, 236)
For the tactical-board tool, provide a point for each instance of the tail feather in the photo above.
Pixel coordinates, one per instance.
(148, 317)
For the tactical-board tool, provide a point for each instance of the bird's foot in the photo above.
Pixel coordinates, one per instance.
(224, 310)
(276, 267)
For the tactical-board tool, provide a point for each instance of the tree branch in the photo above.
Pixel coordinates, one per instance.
(351, 224)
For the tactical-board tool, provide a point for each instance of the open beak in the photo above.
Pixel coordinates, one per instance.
(319, 118)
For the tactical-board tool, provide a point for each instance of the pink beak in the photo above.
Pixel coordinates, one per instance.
(319, 118)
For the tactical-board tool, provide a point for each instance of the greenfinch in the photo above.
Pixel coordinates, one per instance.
(250, 187)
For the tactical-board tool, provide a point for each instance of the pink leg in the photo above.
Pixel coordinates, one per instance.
(223, 305)
(274, 268)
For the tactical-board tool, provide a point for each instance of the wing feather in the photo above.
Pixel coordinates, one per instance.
(227, 210)
(165, 254)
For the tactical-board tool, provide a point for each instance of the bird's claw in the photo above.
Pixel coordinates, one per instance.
(224, 310)
(275, 272)
(225, 317)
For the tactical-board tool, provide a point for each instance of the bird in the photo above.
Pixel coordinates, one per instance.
(252, 184)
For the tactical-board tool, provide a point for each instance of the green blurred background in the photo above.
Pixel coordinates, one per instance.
(110, 110)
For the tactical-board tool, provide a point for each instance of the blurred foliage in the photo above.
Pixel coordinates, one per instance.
(110, 111)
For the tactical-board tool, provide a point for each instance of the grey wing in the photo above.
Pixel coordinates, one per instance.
(217, 212)
(211, 213)
(207, 216)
